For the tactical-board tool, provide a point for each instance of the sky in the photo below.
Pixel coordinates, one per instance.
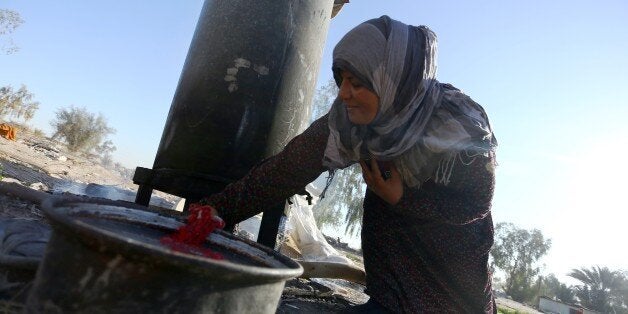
(552, 76)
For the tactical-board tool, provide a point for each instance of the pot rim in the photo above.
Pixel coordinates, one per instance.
(59, 211)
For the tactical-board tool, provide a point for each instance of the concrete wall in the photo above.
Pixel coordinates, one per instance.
(551, 306)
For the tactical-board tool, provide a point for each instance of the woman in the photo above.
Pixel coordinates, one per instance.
(427, 227)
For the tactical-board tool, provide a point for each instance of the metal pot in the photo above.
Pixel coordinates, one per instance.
(106, 256)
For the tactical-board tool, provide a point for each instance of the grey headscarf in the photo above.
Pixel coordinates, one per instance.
(422, 125)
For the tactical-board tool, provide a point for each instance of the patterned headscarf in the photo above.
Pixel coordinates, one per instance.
(421, 125)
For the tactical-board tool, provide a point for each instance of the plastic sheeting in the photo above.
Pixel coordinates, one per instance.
(301, 228)
(300, 232)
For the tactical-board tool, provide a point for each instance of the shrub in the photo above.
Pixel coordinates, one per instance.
(80, 130)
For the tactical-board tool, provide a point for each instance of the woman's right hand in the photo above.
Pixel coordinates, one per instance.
(390, 190)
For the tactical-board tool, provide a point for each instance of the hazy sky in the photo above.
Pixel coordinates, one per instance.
(552, 76)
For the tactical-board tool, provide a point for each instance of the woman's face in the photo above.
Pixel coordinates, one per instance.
(361, 103)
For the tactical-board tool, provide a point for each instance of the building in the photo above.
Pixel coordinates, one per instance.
(547, 305)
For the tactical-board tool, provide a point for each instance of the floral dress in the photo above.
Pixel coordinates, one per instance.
(428, 253)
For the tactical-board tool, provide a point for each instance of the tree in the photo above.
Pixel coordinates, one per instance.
(553, 288)
(9, 21)
(124, 172)
(81, 130)
(344, 194)
(602, 289)
(104, 151)
(18, 104)
(323, 99)
(516, 252)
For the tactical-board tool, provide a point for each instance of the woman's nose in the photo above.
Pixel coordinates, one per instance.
(344, 92)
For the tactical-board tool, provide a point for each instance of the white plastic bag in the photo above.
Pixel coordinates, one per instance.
(301, 227)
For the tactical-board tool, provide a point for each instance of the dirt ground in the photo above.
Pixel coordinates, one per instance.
(46, 167)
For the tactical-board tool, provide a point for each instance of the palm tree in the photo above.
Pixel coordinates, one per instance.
(602, 289)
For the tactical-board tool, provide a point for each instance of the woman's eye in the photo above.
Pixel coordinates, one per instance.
(356, 84)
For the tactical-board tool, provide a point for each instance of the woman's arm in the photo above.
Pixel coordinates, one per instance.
(275, 179)
(467, 197)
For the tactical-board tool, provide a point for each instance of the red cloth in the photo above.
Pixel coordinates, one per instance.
(190, 237)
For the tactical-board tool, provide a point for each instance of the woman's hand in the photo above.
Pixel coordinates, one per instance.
(389, 190)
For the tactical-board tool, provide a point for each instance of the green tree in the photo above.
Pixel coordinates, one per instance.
(81, 130)
(342, 204)
(516, 252)
(9, 21)
(553, 288)
(124, 172)
(343, 201)
(104, 150)
(18, 104)
(602, 289)
(323, 99)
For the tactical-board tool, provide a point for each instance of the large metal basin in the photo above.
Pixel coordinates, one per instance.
(106, 257)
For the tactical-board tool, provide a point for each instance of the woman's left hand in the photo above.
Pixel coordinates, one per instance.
(390, 190)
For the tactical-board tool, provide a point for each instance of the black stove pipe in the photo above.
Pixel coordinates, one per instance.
(245, 90)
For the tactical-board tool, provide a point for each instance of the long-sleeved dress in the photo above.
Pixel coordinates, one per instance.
(427, 253)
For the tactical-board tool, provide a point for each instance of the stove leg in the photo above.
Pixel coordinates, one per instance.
(270, 226)
(143, 194)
